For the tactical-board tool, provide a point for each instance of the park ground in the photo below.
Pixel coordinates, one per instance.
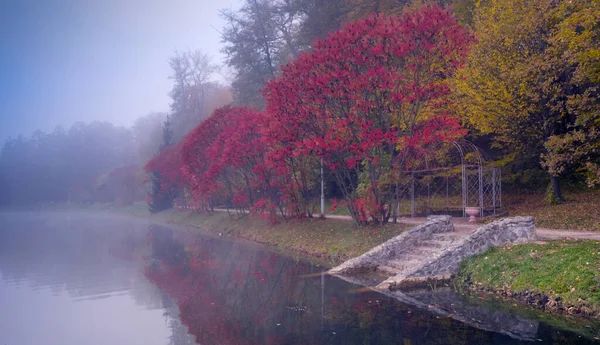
(580, 211)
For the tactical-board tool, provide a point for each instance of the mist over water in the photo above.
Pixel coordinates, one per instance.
(88, 278)
(70, 280)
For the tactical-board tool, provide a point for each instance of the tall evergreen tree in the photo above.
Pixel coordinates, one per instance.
(162, 192)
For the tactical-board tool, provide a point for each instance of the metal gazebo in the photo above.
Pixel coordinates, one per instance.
(448, 178)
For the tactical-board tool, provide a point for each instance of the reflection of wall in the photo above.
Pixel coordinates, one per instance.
(447, 303)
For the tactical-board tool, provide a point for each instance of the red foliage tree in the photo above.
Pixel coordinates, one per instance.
(224, 162)
(168, 165)
(196, 159)
(365, 99)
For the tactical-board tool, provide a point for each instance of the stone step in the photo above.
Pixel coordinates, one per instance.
(392, 271)
(448, 237)
(402, 265)
(424, 251)
(399, 259)
(413, 256)
(436, 244)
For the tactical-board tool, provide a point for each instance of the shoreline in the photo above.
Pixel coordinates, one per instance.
(326, 241)
(547, 304)
(333, 241)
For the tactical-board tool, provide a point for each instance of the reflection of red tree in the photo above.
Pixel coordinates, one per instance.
(231, 296)
(228, 293)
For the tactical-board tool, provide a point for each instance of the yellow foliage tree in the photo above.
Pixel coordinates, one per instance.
(532, 74)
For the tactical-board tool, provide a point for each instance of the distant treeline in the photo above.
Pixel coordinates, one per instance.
(92, 162)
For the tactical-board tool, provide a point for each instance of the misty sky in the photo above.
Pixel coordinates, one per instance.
(67, 60)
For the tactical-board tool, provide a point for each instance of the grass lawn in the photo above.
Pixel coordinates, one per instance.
(333, 240)
(566, 269)
(580, 211)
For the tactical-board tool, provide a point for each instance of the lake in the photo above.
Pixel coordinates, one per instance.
(90, 278)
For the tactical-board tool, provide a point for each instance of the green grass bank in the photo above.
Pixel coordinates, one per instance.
(332, 240)
(555, 276)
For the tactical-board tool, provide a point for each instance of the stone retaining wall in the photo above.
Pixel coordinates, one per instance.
(499, 233)
(388, 250)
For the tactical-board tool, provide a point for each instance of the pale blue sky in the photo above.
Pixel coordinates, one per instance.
(67, 60)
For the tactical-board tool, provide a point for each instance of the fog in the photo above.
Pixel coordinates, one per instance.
(86, 87)
(68, 61)
(92, 90)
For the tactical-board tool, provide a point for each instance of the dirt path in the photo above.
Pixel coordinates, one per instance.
(463, 224)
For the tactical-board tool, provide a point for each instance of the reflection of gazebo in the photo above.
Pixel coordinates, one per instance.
(448, 178)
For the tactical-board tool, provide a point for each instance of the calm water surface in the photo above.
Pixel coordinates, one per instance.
(87, 279)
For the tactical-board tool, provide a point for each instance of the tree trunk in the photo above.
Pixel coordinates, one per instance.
(556, 188)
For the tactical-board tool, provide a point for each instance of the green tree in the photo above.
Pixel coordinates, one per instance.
(258, 38)
(575, 47)
(320, 17)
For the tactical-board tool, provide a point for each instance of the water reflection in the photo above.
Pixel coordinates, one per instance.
(233, 293)
(78, 279)
(85, 260)
(86, 279)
